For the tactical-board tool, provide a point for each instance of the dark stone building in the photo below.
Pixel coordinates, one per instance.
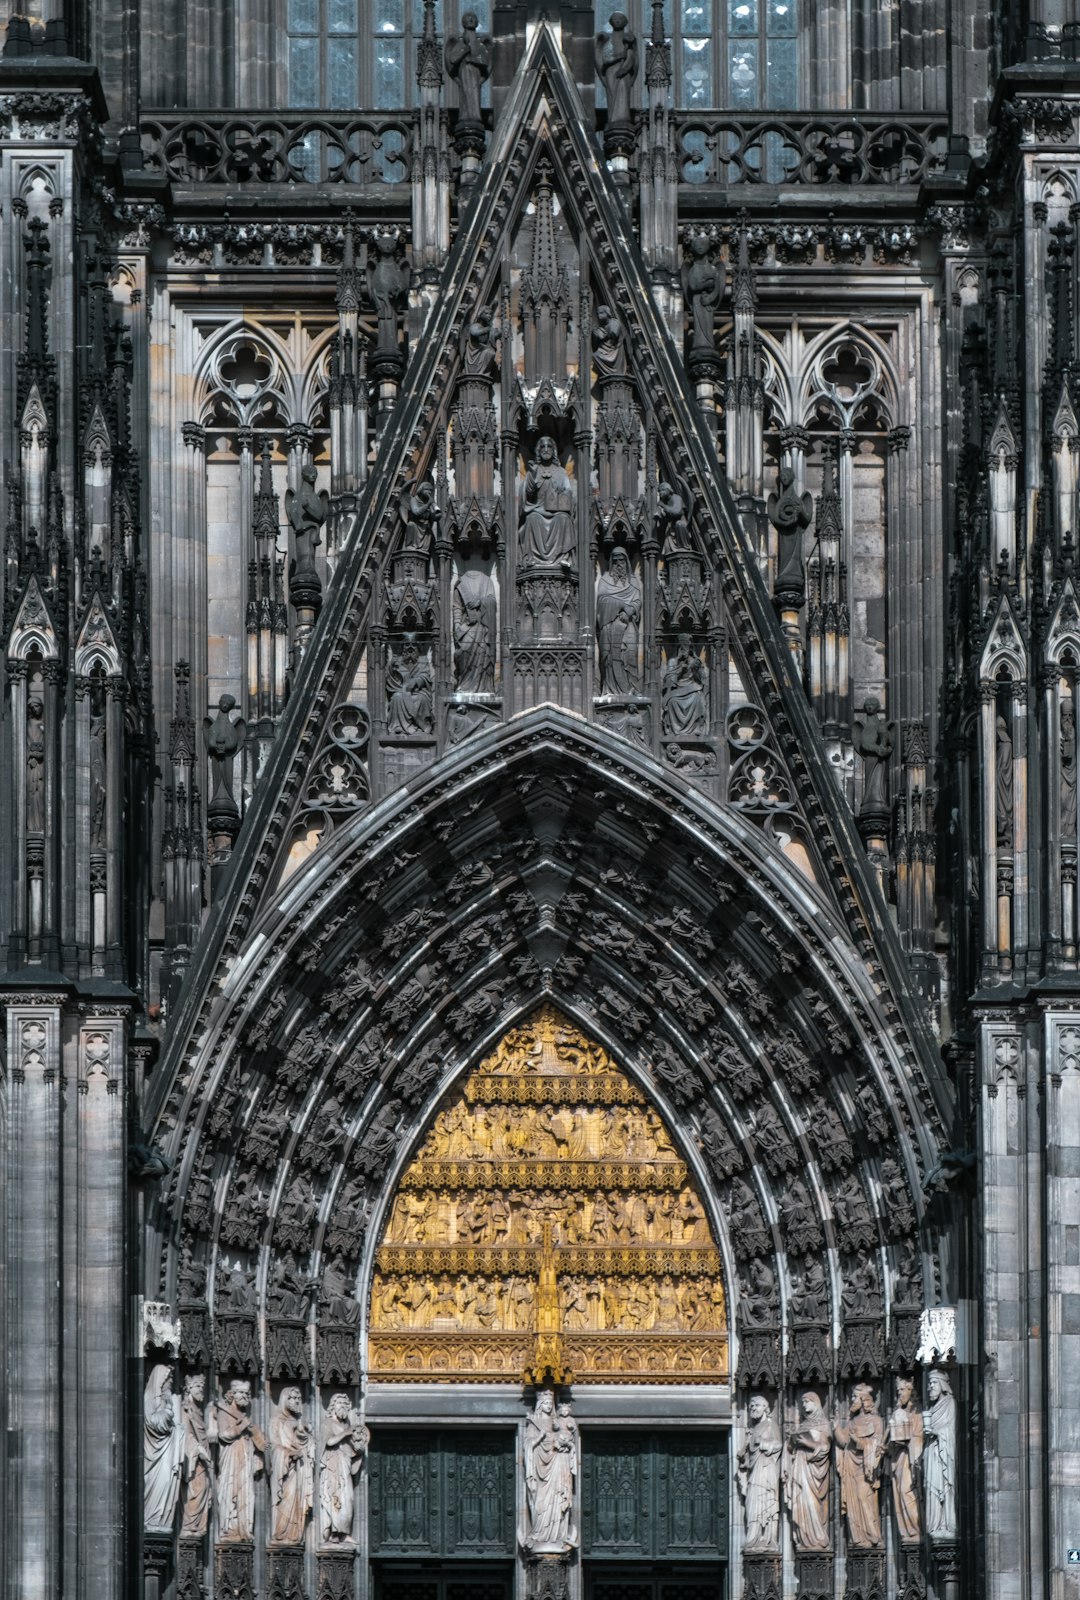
(538, 800)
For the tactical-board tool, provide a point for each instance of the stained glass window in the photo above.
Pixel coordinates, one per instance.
(361, 54)
(741, 55)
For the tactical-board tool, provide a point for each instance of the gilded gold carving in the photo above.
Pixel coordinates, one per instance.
(548, 1225)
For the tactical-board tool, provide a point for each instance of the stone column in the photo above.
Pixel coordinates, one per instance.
(1061, 1094)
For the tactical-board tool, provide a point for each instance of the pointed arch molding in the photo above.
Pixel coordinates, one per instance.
(544, 860)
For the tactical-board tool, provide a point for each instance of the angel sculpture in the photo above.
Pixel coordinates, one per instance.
(873, 739)
(672, 514)
(223, 739)
(306, 510)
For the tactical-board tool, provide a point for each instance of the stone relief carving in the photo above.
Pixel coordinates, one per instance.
(163, 1450)
(345, 1445)
(860, 1449)
(759, 1477)
(241, 1448)
(904, 1448)
(551, 1469)
(806, 1470)
(939, 1458)
(198, 1462)
(292, 1469)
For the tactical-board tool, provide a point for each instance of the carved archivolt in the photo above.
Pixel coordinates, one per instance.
(547, 1223)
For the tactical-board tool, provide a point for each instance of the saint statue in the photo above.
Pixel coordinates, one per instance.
(548, 537)
(874, 741)
(292, 1470)
(35, 766)
(478, 348)
(1003, 782)
(703, 286)
(345, 1443)
(410, 688)
(241, 1448)
(790, 513)
(163, 1451)
(468, 62)
(904, 1444)
(198, 1462)
(618, 617)
(420, 514)
(98, 785)
(939, 1458)
(223, 740)
(759, 1477)
(860, 1446)
(1068, 769)
(306, 510)
(551, 1464)
(684, 706)
(387, 282)
(474, 633)
(672, 512)
(806, 1476)
(609, 344)
(617, 65)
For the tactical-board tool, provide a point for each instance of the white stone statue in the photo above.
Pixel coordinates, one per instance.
(806, 1476)
(551, 1466)
(292, 1470)
(198, 1462)
(759, 1476)
(345, 1443)
(904, 1443)
(939, 1458)
(241, 1448)
(163, 1451)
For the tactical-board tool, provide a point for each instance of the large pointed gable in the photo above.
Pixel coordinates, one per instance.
(542, 128)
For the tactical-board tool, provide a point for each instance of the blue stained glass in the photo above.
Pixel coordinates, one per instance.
(341, 16)
(781, 76)
(694, 144)
(744, 74)
(388, 159)
(742, 16)
(696, 16)
(341, 73)
(482, 9)
(302, 16)
(303, 72)
(781, 17)
(697, 72)
(389, 73)
(389, 16)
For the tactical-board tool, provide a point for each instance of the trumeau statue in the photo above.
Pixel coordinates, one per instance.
(860, 1446)
(468, 62)
(163, 1451)
(548, 537)
(904, 1445)
(617, 65)
(198, 1462)
(618, 619)
(241, 1448)
(292, 1470)
(939, 1458)
(551, 1466)
(345, 1443)
(759, 1477)
(806, 1475)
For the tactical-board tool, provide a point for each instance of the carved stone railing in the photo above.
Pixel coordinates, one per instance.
(294, 147)
(717, 147)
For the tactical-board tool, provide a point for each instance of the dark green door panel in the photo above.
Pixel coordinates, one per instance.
(649, 1495)
(442, 1494)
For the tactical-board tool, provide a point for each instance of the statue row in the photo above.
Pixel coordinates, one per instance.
(914, 1449)
(588, 1303)
(194, 1460)
(514, 1217)
(579, 1133)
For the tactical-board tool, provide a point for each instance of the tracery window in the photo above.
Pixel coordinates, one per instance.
(734, 54)
(362, 53)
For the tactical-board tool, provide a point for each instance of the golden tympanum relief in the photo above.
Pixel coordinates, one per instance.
(548, 1226)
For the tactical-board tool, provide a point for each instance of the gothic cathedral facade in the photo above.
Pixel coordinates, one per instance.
(538, 800)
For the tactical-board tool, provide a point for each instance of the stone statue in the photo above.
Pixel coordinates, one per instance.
(609, 344)
(163, 1451)
(468, 62)
(860, 1447)
(387, 282)
(35, 766)
(474, 633)
(198, 1462)
(241, 1448)
(1003, 782)
(809, 1298)
(98, 783)
(292, 1470)
(939, 1458)
(617, 65)
(551, 1465)
(419, 513)
(548, 536)
(759, 1477)
(223, 739)
(874, 741)
(410, 688)
(904, 1446)
(757, 1303)
(790, 513)
(345, 1444)
(481, 337)
(306, 510)
(672, 511)
(618, 618)
(703, 287)
(1068, 768)
(806, 1476)
(684, 706)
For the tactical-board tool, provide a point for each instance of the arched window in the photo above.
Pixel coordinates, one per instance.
(362, 53)
(734, 54)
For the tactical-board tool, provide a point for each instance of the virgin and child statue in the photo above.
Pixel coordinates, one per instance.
(551, 1466)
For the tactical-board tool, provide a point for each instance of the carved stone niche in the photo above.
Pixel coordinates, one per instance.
(631, 718)
(335, 1576)
(195, 1345)
(862, 1348)
(865, 1575)
(285, 1575)
(547, 1578)
(762, 1576)
(912, 1576)
(287, 1349)
(759, 1358)
(234, 1572)
(815, 1577)
(809, 1353)
(236, 1344)
(189, 1570)
(337, 1355)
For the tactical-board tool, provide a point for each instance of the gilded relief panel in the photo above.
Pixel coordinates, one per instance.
(548, 1224)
